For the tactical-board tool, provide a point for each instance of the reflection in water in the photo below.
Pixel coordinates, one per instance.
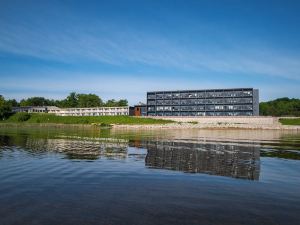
(73, 148)
(216, 159)
(231, 153)
(81, 149)
(40, 182)
(238, 161)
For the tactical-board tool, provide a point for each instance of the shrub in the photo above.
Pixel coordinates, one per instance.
(23, 116)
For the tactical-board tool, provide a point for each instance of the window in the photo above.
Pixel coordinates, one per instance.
(160, 96)
(160, 102)
(176, 95)
(176, 102)
(151, 102)
(151, 96)
(184, 95)
(219, 107)
(151, 108)
(192, 95)
(168, 95)
(201, 94)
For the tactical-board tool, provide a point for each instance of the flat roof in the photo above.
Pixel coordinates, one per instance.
(204, 90)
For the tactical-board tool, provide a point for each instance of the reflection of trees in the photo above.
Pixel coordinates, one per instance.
(217, 159)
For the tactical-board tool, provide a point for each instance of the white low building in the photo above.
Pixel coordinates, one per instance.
(37, 109)
(94, 111)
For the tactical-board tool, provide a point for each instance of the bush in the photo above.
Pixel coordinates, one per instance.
(23, 116)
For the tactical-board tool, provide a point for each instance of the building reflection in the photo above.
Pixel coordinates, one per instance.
(82, 148)
(71, 148)
(238, 161)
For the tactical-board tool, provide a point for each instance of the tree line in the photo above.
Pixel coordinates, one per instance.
(71, 101)
(280, 107)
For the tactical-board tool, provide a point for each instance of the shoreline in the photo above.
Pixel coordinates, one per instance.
(183, 126)
(209, 127)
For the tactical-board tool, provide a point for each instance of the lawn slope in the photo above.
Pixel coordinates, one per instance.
(291, 121)
(50, 118)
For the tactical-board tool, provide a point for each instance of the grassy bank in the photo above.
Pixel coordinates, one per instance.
(100, 120)
(290, 121)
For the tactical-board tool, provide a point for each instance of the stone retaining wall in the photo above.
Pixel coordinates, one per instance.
(253, 120)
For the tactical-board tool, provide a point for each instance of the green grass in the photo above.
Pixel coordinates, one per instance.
(99, 120)
(290, 121)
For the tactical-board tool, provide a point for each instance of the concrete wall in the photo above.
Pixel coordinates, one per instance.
(253, 120)
(255, 102)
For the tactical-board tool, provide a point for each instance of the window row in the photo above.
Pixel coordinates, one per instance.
(199, 94)
(242, 113)
(201, 101)
(201, 108)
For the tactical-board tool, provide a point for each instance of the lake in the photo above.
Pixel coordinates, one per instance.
(80, 175)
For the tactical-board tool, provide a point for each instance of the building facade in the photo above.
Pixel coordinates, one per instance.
(36, 109)
(213, 102)
(94, 111)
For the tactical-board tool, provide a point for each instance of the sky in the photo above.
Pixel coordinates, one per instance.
(122, 49)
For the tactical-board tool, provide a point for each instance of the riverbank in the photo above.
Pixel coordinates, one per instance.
(209, 126)
(169, 126)
(47, 118)
(225, 122)
(144, 123)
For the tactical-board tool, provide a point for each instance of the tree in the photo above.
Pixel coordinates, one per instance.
(89, 100)
(70, 101)
(13, 102)
(111, 103)
(123, 102)
(5, 108)
(35, 101)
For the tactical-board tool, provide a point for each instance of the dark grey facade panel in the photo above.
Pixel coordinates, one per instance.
(255, 102)
(213, 102)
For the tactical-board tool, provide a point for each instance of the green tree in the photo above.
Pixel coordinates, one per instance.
(5, 108)
(13, 103)
(123, 102)
(71, 100)
(280, 107)
(89, 100)
(35, 101)
(111, 103)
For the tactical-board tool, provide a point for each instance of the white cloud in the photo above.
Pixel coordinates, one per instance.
(125, 46)
(105, 85)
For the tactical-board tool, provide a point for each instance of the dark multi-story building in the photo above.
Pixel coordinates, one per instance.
(212, 102)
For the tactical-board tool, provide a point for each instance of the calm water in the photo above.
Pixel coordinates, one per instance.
(91, 176)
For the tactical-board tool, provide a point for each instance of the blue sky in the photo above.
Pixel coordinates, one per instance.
(121, 49)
